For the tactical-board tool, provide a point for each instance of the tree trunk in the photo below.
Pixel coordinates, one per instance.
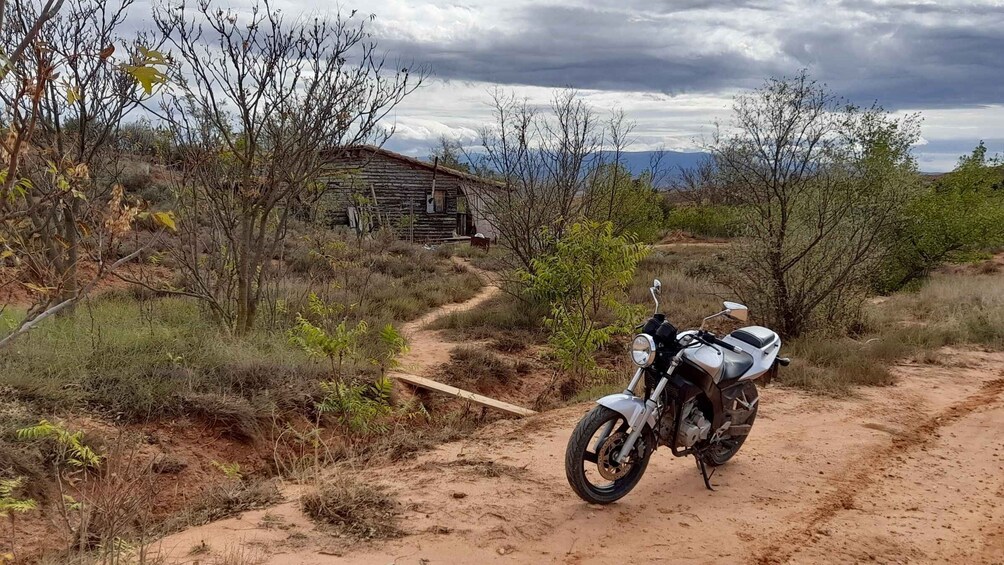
(245, 297)
(68, 276)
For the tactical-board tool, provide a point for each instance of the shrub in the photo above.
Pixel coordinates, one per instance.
(358, 407)
(353, 508)
(508, 344)
(136, 177)
(706, 221)
(234, 495)
(234, 416)
(962, 215)
(482, 368)
(583, 281)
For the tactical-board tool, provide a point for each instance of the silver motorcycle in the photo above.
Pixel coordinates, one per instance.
(699, 397)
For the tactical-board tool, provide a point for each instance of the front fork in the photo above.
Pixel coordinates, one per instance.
(638, 425)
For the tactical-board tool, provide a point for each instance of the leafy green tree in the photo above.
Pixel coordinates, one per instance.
(631, 204)
(961, 214)
(391, 345)
(335, 343)
(584, 281)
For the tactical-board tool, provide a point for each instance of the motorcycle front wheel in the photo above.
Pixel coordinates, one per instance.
(590, 466)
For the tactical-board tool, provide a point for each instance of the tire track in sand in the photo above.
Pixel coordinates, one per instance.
(870, 470)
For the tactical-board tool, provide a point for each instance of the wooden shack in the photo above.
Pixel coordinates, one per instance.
(370, 187)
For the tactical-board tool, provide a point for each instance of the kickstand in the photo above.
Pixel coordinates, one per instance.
(704, 472)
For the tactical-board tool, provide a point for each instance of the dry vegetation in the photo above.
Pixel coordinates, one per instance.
(353, 508)
(481, 369)
(136, 359)
(241, 342)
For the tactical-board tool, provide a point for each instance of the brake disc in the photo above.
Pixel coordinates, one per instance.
(608, 468)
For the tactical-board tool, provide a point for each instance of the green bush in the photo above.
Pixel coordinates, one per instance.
(585, 282)
(706, 221)
(954, 220)
(631, 204)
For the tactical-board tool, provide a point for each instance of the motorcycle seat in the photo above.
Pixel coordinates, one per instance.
(757, 336)
(735, 365)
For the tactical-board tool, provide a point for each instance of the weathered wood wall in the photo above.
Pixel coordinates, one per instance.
(401, 189)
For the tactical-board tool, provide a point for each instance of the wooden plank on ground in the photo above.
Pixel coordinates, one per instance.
(461, 393)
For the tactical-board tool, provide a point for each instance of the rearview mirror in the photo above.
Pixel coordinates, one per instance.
(655, 290)
(736, 311)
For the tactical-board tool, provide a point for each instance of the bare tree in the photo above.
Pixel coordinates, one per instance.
(264, 101)
(450, 153)
(72, 165)
(702, 185)
(541, 160)
(64, 93)
(820, 183)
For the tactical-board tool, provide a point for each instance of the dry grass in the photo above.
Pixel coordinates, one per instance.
(240, 554)
(227, 499)
(508, 344)
(504, 315)
(949, 309)
(234, 416)
(353, 508)
(489, 469)
(482, 368)
(959, 308)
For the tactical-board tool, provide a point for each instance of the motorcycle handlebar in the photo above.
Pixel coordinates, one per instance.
(711, 339)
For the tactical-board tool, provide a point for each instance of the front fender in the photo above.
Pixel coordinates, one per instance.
(629, 406)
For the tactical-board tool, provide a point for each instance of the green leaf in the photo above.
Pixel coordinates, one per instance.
(146, 76)
(165, 220)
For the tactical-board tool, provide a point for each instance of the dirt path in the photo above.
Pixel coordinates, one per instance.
(427, 348)
(907, 474)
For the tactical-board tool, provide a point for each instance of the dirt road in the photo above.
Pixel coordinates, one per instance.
(907, 474)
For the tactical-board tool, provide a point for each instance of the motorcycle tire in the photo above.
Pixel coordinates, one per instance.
(578, 456)
(716, 456)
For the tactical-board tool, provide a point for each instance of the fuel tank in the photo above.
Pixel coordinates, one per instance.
(706, 358)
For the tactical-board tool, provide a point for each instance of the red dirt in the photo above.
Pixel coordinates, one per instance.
(14, 293)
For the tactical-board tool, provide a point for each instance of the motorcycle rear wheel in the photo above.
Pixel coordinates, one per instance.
(718, 454)
(592, 445)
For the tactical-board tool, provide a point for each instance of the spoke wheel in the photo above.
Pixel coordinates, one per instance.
(590, 459)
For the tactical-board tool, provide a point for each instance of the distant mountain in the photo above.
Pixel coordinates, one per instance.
(672, 161)
(636, 161)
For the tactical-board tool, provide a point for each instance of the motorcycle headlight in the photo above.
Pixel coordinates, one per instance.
(643, 350)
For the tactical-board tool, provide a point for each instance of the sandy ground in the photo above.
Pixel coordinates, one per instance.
(912, 473)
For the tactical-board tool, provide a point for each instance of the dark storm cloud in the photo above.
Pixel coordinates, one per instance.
(584, 48)
(902, 54)
(946, 66)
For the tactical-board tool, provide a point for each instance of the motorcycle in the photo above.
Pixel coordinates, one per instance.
(700, 398)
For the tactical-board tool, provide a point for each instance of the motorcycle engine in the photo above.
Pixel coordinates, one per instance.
(694, 427)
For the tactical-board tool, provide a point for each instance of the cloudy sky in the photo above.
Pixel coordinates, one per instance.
(673, 65)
